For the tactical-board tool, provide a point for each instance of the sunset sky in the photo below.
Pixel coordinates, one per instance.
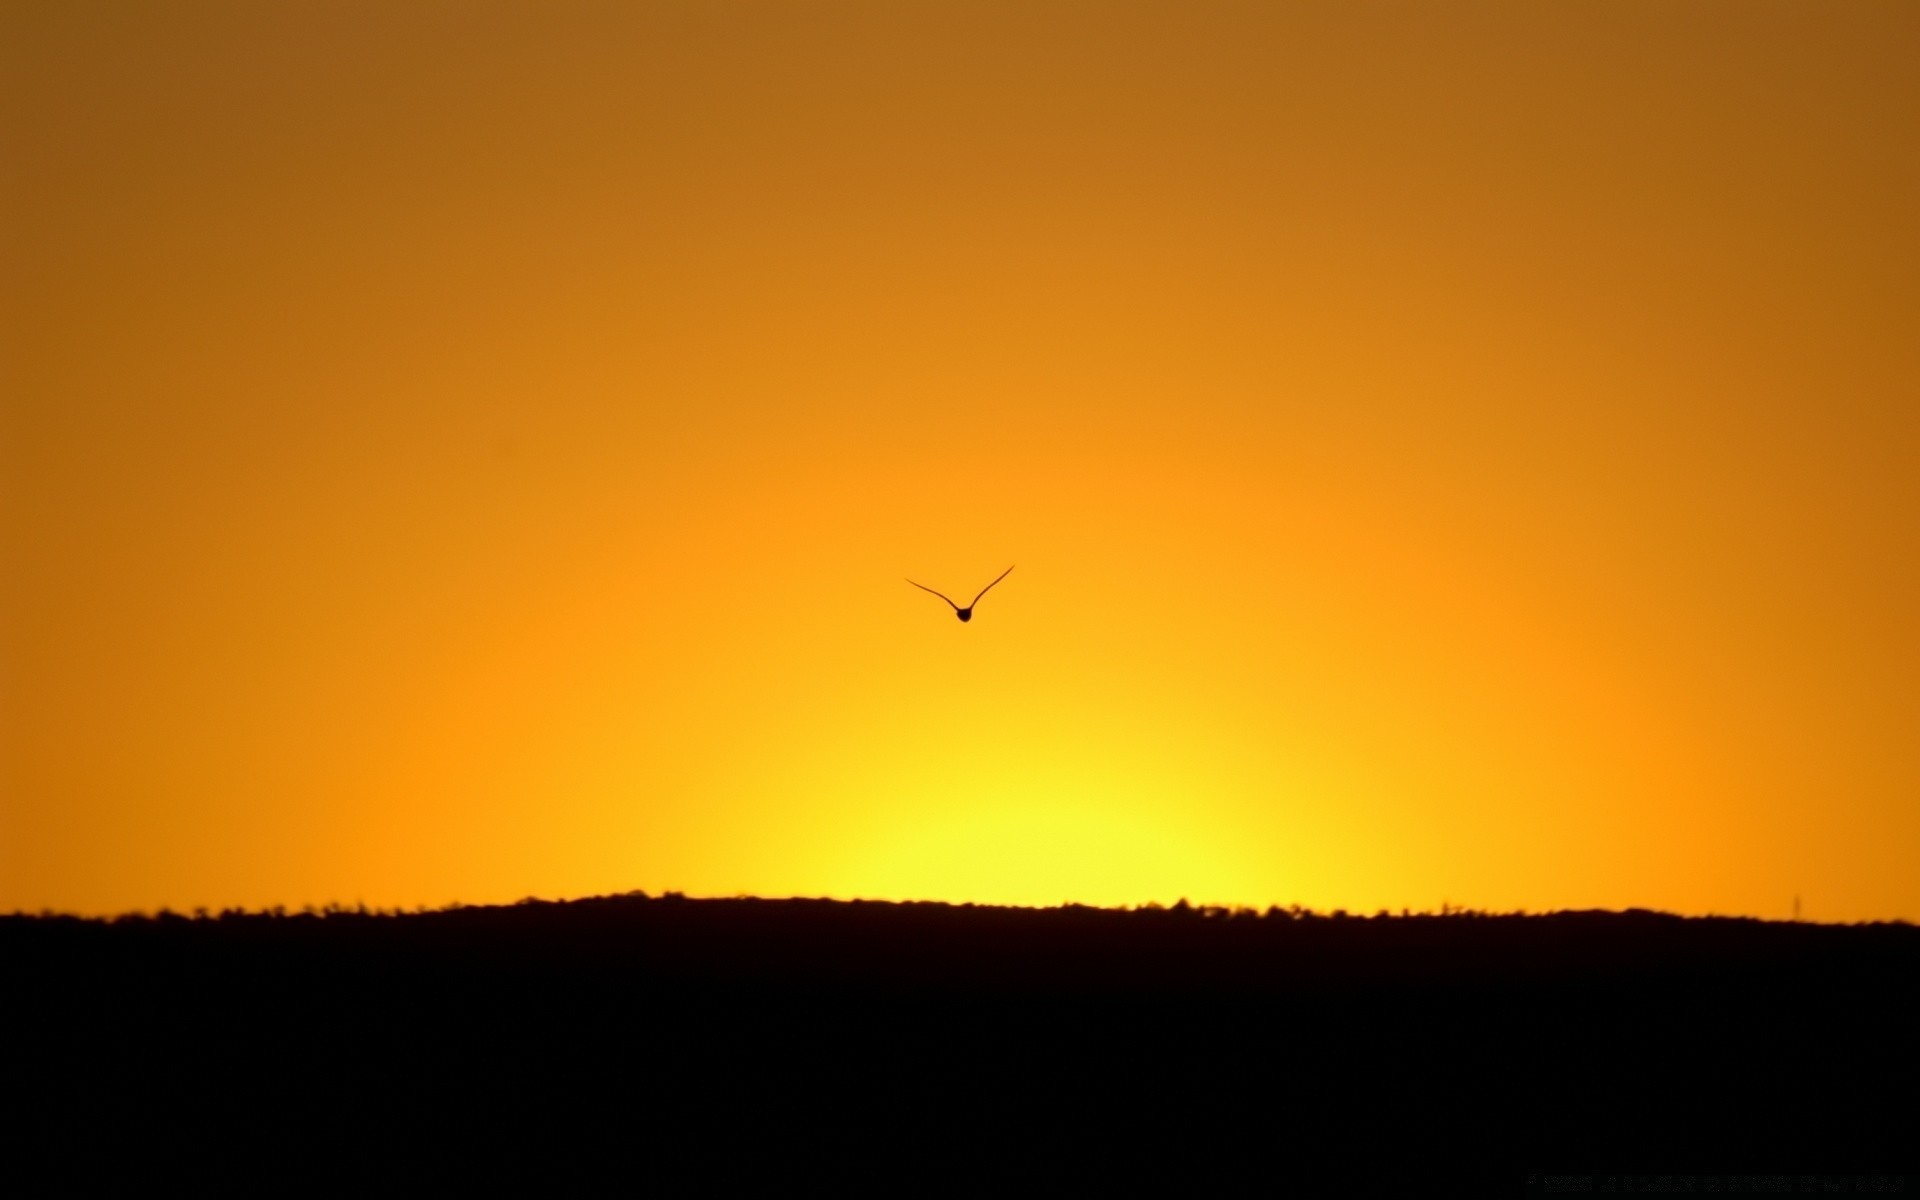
(1452, 452)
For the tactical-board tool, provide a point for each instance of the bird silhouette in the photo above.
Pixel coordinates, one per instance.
(965, 614)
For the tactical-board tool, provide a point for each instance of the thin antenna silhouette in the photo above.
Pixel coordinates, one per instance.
(965, 614)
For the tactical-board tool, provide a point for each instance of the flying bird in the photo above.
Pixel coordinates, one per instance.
(965, 614)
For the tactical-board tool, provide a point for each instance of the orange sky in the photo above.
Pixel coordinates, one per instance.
(1461, 452)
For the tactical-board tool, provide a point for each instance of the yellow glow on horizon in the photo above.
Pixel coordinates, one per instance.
(1037, 855)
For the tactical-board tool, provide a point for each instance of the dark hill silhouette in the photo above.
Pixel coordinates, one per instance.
(1388, 1049)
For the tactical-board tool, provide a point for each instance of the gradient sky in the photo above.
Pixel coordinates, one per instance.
(1452, 452)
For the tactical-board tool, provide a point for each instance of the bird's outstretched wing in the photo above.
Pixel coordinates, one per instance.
(988, 588)
(923, 587)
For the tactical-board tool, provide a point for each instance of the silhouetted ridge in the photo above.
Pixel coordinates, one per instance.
(676, 943)
(1642, 1037)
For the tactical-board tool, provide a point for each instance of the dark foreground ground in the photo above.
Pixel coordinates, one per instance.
(671, 1045)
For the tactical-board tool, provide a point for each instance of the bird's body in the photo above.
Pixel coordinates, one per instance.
(965, 614)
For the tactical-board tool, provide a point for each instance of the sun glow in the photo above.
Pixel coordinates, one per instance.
(1039, 850)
